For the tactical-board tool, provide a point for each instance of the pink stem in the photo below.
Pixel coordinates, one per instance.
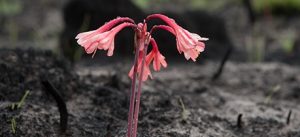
(133, 92)
(138, 96)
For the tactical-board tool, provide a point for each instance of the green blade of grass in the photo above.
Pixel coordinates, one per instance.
(13, 125)
(23, 99)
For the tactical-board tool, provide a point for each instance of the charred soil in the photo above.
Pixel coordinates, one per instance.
(181, 101)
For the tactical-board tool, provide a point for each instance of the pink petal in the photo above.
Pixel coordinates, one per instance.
(163, 61)
(111, 49)
(91, 48)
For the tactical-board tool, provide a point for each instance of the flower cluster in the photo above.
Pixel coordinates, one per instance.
(190, 44)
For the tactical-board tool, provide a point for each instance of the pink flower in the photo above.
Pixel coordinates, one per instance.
(189, 43)
(146, 71)
(103, 37)
(156, 56)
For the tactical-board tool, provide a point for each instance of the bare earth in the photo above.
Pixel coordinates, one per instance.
(181, 101)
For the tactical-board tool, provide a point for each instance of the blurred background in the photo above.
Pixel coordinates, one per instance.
(256, 30)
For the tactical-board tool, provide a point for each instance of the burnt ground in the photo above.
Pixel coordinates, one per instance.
(97, 98)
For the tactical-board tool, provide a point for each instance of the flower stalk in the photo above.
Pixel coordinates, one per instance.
(138, 96)
(133, 89)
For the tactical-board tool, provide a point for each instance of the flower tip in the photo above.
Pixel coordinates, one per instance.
(110, 53)
(204, 39)
(77, 37)
(165, 65)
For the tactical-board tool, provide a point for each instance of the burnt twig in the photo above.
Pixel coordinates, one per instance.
(222, 64)
(239, 121)
(251, 12)
(288, 117)
(60, 103)
(109, 128)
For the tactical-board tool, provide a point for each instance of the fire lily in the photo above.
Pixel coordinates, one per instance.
(156, 56)
(103, 37)
(190, 44)
(146, 72)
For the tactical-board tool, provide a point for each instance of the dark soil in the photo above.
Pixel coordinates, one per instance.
(97, 98)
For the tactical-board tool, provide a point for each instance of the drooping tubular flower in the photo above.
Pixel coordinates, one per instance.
(190, 44)
(154, 56)
(146, 71)
(103, 37)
